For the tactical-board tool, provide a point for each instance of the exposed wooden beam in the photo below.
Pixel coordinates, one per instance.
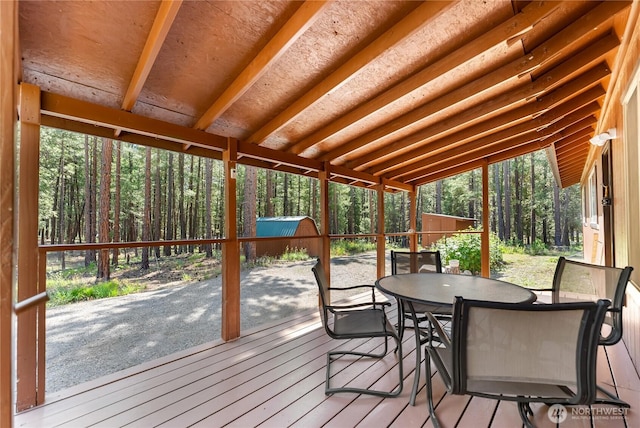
(526, 131)
(301, 20)
(161, 26)
(514, 117)
(411, 23)
(548, 80)
(71, 108)
(454, 162)
(588, 23)
(513, 27)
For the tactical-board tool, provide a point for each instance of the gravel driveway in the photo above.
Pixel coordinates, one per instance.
(90, 339)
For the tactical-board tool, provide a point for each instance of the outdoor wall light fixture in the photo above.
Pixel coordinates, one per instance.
(600, 139)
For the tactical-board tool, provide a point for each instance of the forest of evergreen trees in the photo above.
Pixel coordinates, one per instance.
(100, 190)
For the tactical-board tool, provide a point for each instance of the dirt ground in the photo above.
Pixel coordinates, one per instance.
(90, 339)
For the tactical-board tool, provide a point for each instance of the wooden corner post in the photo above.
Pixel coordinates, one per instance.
(231, 248)
(8, 79)
(484, 242)
(380, 240)
(325, 252)
(413, 222)
(28, 360)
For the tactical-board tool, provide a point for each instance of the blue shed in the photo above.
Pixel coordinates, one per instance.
(287, 226)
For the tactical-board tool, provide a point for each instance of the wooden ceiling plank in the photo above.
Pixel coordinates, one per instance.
(301, 20)
(513, 27)
(161, 26)
(577, 160)
(543, 53)
(510, 117)
(83, 111)
(411, 23)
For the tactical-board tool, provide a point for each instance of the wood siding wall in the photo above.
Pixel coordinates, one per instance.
(625, 152)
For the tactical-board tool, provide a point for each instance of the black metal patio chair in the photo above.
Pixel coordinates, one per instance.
(354, 321)
(416, 262)
(518, 352)
(578, 281)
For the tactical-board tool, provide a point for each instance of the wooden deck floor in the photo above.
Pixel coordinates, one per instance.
(274, 377)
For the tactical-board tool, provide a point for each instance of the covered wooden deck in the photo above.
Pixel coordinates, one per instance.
(273, 376)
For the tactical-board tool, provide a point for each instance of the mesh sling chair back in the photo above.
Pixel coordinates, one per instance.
(416, 262)
(578, 281)
(519, 352)
(354, 321)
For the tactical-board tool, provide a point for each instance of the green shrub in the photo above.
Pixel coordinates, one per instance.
(347, 247)
(294, 254)
(70, 294)
(466, 248)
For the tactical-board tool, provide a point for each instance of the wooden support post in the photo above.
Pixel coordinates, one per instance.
(413, 222)
(8, 79)
(27, 349)
(231, 248)
(381, 242)
(325, 246)
(484, 246)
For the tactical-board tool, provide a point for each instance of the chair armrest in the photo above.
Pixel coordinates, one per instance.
(442, 334)
(354, 287)
(357, 305)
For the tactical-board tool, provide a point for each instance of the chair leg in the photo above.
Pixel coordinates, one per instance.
(429, 389)
(611, 400)
(328, 390)
(525, 410)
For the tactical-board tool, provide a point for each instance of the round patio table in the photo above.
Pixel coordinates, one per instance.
(440, 289)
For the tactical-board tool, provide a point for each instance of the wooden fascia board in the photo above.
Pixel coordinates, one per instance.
(161, 26)
(548, 50)
(70, 108)
(411, 23)
(588, 78)
(301, 20)
(513, 27)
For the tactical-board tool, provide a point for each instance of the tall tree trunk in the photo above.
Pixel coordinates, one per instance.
(116, 203)
(104, 272)
(498, 179)
(146, 216)
(181, 210)
(545, 209)
(61, 197)
(506, 170)
(565, 228)
(472, 199)
(533, 200)
(439, 197)
(89, 255)
(208, 179)
(556, 215)
(168, 232)
(285, 198)
(157, 205)
(249, 208)
(518, 214)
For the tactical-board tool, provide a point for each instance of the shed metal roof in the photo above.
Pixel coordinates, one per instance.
(278, 226)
